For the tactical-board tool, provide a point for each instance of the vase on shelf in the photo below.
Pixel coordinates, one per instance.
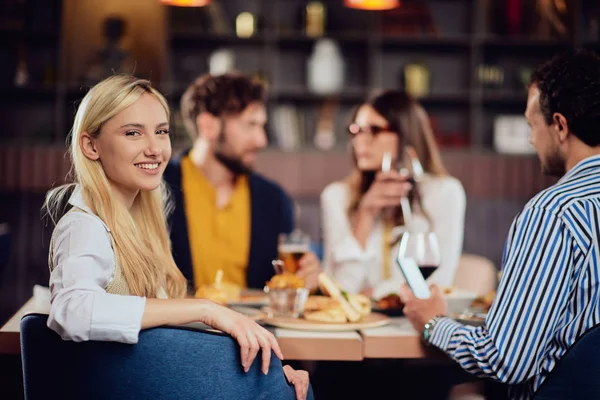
(325, 68)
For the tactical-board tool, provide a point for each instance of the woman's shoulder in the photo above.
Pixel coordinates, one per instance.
(81, 223)
(335, 191)
(443, 194)
(78, 233)
(446, 185)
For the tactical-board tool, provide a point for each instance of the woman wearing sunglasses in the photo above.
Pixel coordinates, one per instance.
(362, 213)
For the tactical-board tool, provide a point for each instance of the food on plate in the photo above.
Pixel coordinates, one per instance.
(331, 315)
(353, 306)
(361, 303)
(286, 280)
(391, 301)
(485, 301)
(219, 291)
(316, 303)
(446, 290)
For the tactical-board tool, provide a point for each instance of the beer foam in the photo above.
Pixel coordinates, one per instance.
(294, 248)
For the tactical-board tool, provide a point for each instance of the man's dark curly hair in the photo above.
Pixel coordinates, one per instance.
(219, 95)
(569, 84)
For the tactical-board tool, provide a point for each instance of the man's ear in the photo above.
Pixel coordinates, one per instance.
(208, 126)
(88, 146)
(561, 126)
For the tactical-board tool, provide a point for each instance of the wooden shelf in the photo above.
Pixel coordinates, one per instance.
(299, 39)
(522, 43)
(12, 33)
(427, 42)
(204, 39)
(454, 99)
(504, 98)
(290, 39)
(302, 94)
(29, 92)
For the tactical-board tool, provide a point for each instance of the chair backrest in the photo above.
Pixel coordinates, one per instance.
(166, 363)
(475, 274)
(4, 248)
(576, 375)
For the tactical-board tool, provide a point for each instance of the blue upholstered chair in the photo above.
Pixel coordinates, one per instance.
(577, 375)
(166, 363)
(4, 248)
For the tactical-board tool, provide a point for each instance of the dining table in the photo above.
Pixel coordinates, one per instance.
(397, 339)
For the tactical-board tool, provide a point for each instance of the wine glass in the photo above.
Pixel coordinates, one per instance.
(418, 242)
(423, 248)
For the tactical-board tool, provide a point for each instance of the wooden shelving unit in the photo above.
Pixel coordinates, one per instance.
(279, 52)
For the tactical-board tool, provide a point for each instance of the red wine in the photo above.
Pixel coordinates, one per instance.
(427, 270)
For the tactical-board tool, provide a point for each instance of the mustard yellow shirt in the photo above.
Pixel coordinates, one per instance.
(219, 237)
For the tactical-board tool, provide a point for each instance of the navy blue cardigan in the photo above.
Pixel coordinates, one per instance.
(271, 213)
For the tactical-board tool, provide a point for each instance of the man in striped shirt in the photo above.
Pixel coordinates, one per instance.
(549, 292)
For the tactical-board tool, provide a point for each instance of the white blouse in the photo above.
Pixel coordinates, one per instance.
(84, 265)
(357, 268)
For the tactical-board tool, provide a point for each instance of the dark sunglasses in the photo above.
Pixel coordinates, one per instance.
(374, 130)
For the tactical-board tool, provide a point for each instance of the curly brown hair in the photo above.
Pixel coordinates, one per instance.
(569, 84)
(220, 95)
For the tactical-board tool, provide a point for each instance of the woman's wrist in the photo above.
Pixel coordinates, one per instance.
(366, 213)
(204, 310)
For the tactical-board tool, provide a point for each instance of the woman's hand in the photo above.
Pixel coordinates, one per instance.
(250, 336)
(309, 269)
(387, 190)
(299, 379)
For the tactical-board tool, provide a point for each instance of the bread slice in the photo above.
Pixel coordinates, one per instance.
(333, 290)
(331, 315)
(317, 303)
(361, 303)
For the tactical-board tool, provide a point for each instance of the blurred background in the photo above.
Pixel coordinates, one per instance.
(468, 62)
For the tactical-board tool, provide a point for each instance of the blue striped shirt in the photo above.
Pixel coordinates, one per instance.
(548, 295)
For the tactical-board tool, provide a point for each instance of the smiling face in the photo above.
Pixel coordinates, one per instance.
(544, 138)
(372, 139)
(133, 147)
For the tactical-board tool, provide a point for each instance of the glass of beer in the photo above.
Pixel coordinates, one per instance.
(292, 248)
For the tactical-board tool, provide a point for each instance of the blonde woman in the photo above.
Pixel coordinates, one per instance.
(359, 246)
(112, 272)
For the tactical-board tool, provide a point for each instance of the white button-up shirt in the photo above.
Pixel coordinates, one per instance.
(357, 268)
(84, 265)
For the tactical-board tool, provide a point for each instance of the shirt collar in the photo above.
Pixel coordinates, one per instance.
(590, 162)
(77, 200)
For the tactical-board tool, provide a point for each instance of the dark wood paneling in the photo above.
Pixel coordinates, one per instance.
(303, 174)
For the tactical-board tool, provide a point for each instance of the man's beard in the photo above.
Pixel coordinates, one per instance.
(233, 163)
(554, 165)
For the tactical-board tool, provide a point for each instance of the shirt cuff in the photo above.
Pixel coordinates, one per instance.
(117, 318)
(350, 250)
(442, 333)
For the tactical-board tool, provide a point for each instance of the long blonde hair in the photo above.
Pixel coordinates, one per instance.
(140, 238)
(407, 118)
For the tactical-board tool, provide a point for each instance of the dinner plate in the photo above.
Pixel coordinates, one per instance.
(473, 317)
(372, 320)
(392, 312)
(250, 312)
(251, 298)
